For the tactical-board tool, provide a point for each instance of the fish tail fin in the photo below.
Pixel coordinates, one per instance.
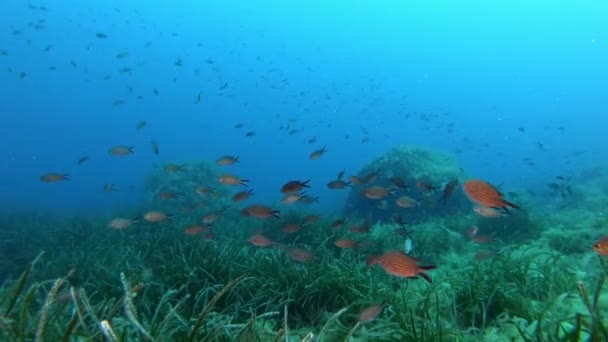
(426, 277)
(305, 183)
(65, 176)
(169, 217)
(131, 149)
(276, 213)
(428, 267)
(244, 182)
(509, 204)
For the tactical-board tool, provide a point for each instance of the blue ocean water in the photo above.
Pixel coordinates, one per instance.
(491, 82)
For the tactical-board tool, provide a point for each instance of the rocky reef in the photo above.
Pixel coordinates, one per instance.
(424, 171)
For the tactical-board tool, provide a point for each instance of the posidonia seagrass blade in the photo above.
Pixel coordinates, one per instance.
(19, 287)
(210, 305)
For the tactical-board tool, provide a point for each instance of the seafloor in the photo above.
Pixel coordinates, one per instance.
(537, 279)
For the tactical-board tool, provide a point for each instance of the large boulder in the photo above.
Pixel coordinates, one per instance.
(425, 171)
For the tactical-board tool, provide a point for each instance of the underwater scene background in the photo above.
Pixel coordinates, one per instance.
(303, 170)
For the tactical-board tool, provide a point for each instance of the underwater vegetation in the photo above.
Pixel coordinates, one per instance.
(238, 278)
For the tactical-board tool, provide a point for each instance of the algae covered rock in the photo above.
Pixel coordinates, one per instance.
(425, 173)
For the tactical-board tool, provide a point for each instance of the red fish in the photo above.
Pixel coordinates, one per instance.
(213, 216)
(156, 216)
(54, 177)
(294, 186)
(345, 243)
(406, 202)
(260, 240)
(378, 192)
(425, 186)
(370, 313)
(448, 190)
(483, 193)
(260, 211)
(372, 260)
(601, 246)
(338, 184)
(228, 179)
(300, 255)
(488, 212)
(398, 183)
(242, 195)
(318, 153)
(290, 228)
(196, 230)
(399, 264)
(227, 160)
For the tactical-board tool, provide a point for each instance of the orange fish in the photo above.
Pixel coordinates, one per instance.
(345, 243)
(291, 198)
(372, 260)
(120, 150)
(406, 202)
(312, 218)
(308, 199)
(425, 186)
(227, 160)
(471, 232)
(121, 223)
(361, 227)
(318, 153)
(370, 178)
(196, 230)
(213, 216)
(485, 194)
(260, 240)
(487, 212)
(204, 190)
(399, 264)
(172, 168)
(398, 183)
(338, 224)
(300, 255)
(448, 190)
(260, 211)
(601, 246)
(355, 180)
(290, 228)
(243, 195)
(52, 177)
(378, 192)
(370, 313)
(228, 179)
(338, 184)
(294, 186)
(156, 216)
(167, 195)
